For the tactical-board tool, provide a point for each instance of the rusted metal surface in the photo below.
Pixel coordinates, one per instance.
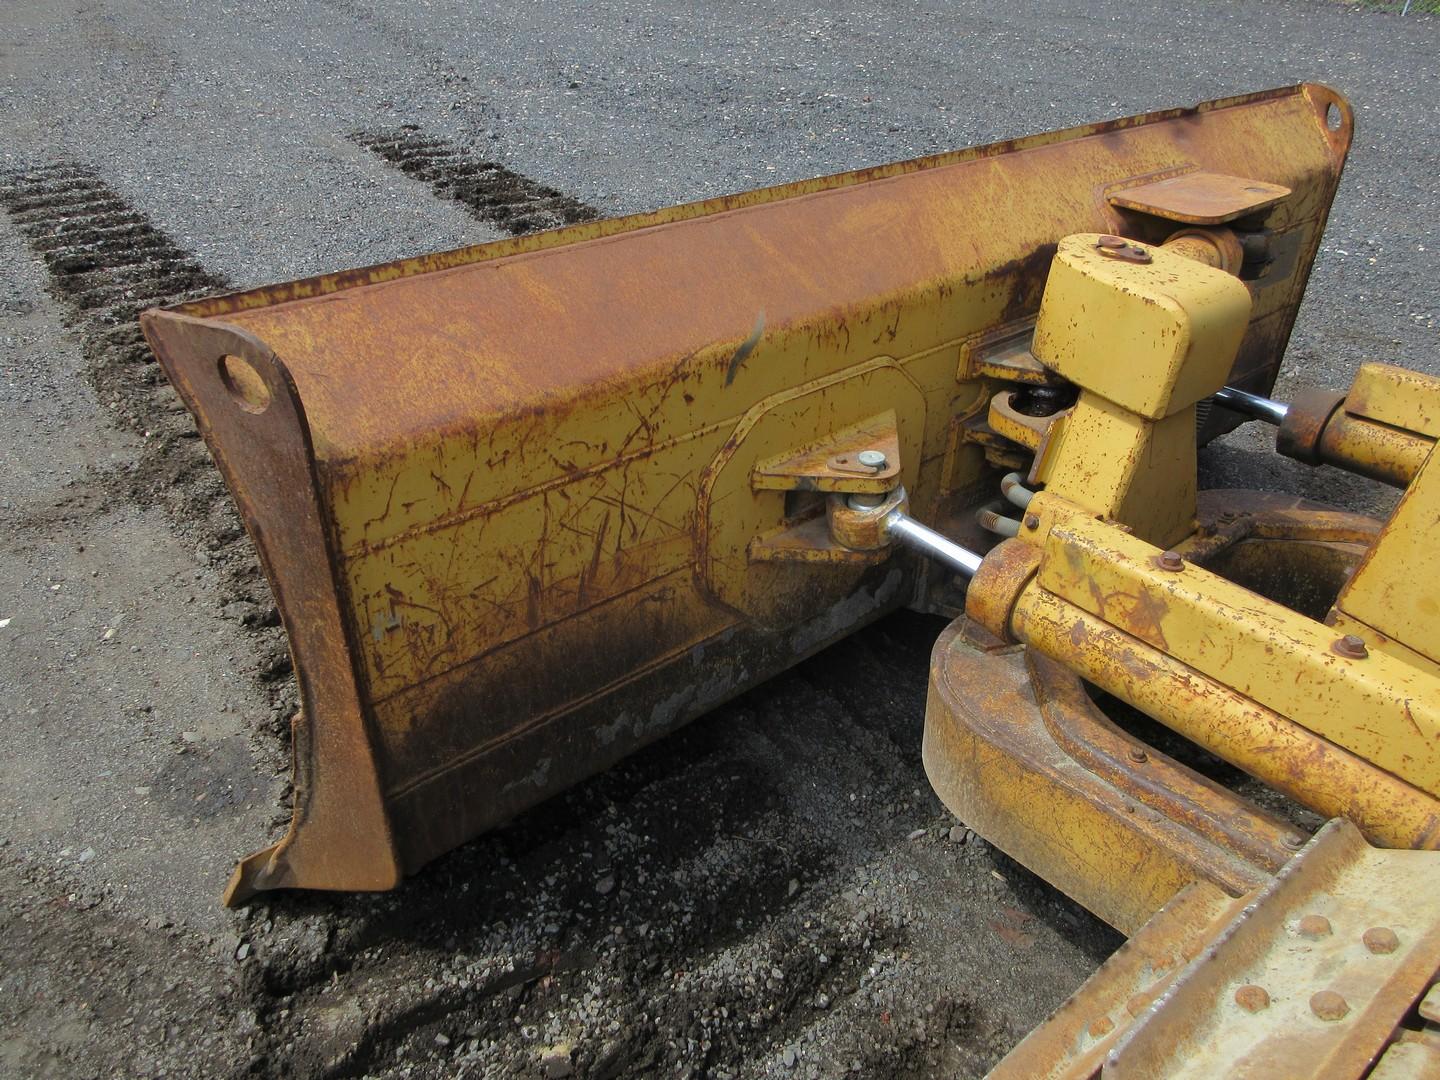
(1306, 416)
(1283, 983)
(994, 761)
(1128, 631)
(1334, 1004)
(544, 448)
(835, 462)
(1015, 425)
(1073, 1042)
(1265, 743)
(1384, 428)
(343, 832)
(1219, 248)
(1120, 839)
(1381, 709)
(1395, 593)
(1117, 247)
(1201, 198)
(1414, 1055)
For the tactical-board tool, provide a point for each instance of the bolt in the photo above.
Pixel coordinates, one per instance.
(1031, 521)
(1351, 647)
(1328, 1005)
(1138, 755)
(1101, 1027)
(1314, 926)
(1252, 998)
(1171, 560)
(1295, 843)
(872, 459)
(1380, 940)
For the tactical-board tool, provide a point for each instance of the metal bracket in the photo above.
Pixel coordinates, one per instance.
(839, 462)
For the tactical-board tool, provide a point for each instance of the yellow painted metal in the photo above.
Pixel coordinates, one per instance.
(1268, 745)
(1007, 732)
(1396, 590)
(539, 541)
(1388, 454)
(1397, 397)
(1379, 707)
(1124, 467)
(832, 461)
(1152, 337)
(1384, 428)
(1145, 341)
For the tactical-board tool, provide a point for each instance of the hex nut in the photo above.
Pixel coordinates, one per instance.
(1314, 926)
(1351, 647)
(1328, 1005)
(1380, 940)
(1138, 755)
(1252, 998)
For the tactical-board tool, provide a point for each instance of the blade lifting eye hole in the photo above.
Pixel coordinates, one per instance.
(244, 383)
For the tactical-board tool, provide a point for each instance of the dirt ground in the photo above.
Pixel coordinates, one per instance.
(772, 891)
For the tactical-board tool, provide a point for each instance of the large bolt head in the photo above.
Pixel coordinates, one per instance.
(872, 459)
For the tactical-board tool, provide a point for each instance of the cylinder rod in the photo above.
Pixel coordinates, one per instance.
(1252, 405)
(906, 530)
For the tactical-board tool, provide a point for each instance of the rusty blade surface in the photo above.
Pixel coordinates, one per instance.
(530, 462)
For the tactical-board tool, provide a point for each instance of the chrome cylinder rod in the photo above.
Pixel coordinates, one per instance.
(904, 529)
(1252, 405)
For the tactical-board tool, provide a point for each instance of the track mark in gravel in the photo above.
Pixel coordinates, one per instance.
(107, 263)
(492, 193)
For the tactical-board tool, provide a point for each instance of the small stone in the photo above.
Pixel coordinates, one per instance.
(555, 1061)
(441, 1039)
(957, 834)
(792, 888)
(776, 973)
(243, 951)
(86, 855)
(915, 834)
(788, 1057)
(190, 736)
(606, 885)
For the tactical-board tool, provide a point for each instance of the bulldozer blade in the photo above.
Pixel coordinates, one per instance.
(510, 498)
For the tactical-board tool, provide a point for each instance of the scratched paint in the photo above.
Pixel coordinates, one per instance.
(508, 446)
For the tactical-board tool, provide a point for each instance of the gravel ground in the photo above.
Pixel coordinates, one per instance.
(773, 891)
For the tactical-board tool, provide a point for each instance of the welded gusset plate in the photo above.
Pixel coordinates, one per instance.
(531, 461)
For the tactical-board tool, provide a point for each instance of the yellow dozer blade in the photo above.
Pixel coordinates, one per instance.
(528, 506)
